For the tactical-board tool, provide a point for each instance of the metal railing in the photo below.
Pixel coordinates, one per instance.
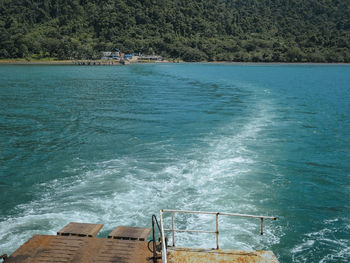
(154, 249)
(217, 214)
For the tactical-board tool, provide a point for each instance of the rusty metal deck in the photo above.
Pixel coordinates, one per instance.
(80, 229)
(77, 243)
(74, 249)
(130, 233)
(190, 255)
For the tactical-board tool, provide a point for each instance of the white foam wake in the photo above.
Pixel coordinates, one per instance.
(128, 190)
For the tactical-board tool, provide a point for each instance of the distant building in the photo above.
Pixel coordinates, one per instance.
(110, 55)
(107, 54)
(150, 58)
(130, 57)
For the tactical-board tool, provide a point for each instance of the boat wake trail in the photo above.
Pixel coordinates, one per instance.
(217, 174)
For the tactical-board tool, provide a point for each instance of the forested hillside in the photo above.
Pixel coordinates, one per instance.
(194, 30)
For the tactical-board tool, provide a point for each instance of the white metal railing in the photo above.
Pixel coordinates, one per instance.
(217, 214)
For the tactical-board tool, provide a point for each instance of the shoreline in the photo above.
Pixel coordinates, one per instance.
(36, 62)
(71, 62)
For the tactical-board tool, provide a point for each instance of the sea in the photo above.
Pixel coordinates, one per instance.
(115, 144)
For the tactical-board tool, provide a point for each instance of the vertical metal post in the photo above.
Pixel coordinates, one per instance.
(154, 242)
(261, 225)
(164, 253)
(217, 230)
(173, 227)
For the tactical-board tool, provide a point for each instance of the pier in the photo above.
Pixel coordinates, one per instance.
(107, 62)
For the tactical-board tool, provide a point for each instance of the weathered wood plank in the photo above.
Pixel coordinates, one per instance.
(130, 233)
(52, 249)
(80, 229)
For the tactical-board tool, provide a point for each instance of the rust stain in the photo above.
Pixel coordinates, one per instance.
(187, 255)
(80, 250)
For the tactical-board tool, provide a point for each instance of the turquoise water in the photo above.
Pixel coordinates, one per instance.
(114, 145)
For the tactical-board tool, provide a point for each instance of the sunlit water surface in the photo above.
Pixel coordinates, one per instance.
(115, 144)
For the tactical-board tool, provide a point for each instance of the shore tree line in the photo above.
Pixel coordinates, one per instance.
(192, 30)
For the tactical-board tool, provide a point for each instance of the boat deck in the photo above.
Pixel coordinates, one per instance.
(192, 255)
(77, 243)
(75, 249)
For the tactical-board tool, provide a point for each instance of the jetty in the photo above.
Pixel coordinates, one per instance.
(88, 62)
(78, 243)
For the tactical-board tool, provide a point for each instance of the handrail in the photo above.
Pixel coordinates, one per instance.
(217, 214)
(154, 251)
(220, 213)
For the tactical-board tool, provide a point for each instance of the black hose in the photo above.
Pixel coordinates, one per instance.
(4, 257)
(155, 219)
(154, 251)
(149, 242)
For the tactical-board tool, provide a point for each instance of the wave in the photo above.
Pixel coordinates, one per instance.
(213, 175)
(328, 244)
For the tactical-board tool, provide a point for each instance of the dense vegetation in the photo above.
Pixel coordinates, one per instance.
(194, 30)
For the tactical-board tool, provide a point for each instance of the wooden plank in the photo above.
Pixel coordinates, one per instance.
(80, 229)
(130, 233)
(85, 250)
